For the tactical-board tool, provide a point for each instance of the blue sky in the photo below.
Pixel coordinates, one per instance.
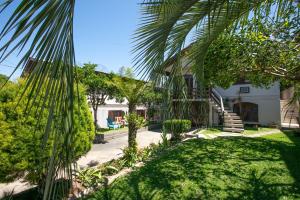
(103, 31)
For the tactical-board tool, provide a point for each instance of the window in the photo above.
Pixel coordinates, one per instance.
(244, 89)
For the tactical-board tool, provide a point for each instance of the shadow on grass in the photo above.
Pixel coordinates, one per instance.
(223, 168)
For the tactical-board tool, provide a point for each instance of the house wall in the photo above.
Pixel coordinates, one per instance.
(112, 105)
(267, 99)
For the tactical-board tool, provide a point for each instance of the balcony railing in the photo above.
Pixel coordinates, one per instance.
(192, 94)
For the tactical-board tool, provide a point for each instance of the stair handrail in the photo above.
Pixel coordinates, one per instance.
(220, 97)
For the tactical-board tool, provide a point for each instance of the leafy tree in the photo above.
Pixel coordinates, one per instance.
(126, 72)
(98, 87)
(253, 57)
(3, 79)
(21, 135)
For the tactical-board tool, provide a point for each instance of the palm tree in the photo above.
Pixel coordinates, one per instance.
(44, 30)
(134, 92)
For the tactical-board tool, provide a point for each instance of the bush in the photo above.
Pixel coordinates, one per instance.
(21, 135)
(176, 127)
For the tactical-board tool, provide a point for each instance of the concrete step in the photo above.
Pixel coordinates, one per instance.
(234, 130)
(230, 113)
(229, 125)
(293, 121)
(230, 117)
(233, 121)
(290, 114)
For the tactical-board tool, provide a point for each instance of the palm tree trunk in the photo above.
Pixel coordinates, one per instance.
(132, 127)
(95, 110)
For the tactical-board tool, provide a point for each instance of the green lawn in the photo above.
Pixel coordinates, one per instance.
(252, 130)
(212, 131)
(223, 168)
(108, 131)
(248, 130)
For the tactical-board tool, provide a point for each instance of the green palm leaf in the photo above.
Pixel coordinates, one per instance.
(44, 30)
(168, 26)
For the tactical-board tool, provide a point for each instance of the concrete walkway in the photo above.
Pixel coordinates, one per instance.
(101, 153)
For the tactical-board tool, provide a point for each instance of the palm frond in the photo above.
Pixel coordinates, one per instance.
(44, 30)
(167, 26)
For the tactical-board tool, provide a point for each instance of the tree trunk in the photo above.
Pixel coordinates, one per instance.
(95, 109)
(132, 127)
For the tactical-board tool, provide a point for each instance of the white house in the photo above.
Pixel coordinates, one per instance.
(113, 109)
(240, 104)
(259, 105)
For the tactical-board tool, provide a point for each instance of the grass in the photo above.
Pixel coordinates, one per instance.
(212, 131)
(248, 130)
(222, 168)
(108, 131)
(253, 130)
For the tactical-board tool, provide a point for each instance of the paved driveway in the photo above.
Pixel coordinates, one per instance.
(101, 153)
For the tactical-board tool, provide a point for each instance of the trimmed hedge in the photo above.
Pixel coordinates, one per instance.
(21, 135)
(177, 127)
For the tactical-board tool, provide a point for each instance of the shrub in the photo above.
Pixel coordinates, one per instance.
(131, 156)
(176, 127)
(21, 135)
(90, 178)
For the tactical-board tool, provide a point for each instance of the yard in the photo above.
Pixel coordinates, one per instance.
(222, 168)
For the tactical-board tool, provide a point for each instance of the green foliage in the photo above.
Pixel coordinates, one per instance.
(98, 86)
(21, 138)
(253, 57)
(130, 156)
(164, 137)
(177, 127)
(3, 79)
(90, 178)
(136, 120)
(126, 72)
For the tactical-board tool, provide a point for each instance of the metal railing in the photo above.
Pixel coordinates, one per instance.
(215, 95)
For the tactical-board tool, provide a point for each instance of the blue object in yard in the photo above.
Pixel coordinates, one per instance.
(111, 124)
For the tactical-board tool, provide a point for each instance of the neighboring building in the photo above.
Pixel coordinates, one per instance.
(255, 105)
(115, 110)
(240, 104)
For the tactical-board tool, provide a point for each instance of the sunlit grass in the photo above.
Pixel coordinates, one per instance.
(108, 131)
(253, 130)
(222, 168)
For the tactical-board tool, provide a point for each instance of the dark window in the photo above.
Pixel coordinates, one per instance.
(247, 111)
(189, 84)
(244, 89)
(113, 114)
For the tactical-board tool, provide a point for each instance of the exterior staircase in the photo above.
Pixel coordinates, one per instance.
(289, 114)
(231, 121)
